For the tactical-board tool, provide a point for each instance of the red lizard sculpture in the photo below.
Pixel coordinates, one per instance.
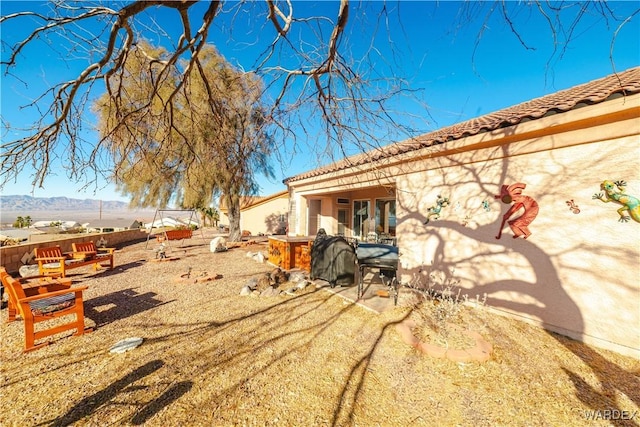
(520, 225)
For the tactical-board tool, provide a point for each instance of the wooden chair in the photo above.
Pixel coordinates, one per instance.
(46, 304)
(33, 285)
(89, 251)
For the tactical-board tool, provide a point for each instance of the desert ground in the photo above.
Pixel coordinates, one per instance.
(213, 357)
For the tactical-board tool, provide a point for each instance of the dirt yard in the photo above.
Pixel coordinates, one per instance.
(211, 357)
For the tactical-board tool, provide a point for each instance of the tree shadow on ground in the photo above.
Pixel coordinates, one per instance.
(119, 305)
(90, 404)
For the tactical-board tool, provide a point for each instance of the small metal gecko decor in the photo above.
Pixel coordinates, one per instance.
(520, 225)
(573, 207)
(613, 192)
(434, 211)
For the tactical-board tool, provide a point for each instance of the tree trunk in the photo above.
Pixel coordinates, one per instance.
(233, 206)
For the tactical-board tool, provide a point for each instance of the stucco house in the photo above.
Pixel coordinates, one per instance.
(108, 225)
(65, 225)
(535, 206)
(261, 214)
(171, 222)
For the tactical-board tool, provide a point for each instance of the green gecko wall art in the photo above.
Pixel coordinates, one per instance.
(613, 192)
(434, 211)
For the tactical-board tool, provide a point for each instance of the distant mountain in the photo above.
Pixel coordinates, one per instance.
(39, 204)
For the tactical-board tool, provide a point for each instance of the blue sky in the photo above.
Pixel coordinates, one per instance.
(434, 46)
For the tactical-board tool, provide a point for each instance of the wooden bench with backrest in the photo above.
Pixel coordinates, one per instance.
(179, 234)
(89, 251)
(46, 304)
(51, 260)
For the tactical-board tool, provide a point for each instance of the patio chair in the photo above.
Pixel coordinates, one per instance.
(46, 305)
(32, 285)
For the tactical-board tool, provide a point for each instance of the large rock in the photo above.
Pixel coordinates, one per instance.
(218, 244)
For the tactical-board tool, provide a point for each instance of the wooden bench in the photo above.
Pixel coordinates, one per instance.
(51, 260)
(178, 234)
(89, 251)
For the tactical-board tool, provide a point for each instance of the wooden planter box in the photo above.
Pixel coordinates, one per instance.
(290, 252)
(303, 256)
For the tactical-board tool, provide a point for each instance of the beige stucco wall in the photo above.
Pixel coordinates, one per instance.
(263, 217)
(577, 274)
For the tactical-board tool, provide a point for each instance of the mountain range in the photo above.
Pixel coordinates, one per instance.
(21, 203)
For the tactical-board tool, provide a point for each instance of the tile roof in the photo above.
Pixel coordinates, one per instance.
(622, 84)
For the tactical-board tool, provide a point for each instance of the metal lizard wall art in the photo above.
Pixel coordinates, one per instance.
(434, 211)
(613, 192)
(573, 207)
(520, 225)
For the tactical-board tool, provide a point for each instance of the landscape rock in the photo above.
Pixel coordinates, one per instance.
(252, 283)
(126, 345)
(256, 256)
(270, 292)
(297, 276)
(218, 244)
(28, 270)
(279, 276)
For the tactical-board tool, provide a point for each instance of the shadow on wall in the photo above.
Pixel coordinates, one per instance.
(274, 225)
(539, 282)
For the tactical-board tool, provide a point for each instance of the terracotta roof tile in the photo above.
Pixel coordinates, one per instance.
(596, 91)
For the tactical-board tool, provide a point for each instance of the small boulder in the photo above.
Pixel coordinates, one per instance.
(28, 270)
(270, 292)
(252, 283)
(218, 244)
(302, 284)
(297, 277)
(279, 276)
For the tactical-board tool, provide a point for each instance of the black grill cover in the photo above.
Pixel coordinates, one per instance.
(333, 259)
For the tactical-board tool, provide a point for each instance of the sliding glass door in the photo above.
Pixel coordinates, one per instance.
(386, 217)
(361, 217)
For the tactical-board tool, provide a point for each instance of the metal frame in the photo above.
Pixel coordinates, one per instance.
(164, 232)
(393, 285)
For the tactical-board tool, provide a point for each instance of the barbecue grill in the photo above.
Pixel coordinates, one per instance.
(382, 257)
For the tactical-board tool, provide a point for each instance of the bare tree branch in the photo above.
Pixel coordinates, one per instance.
(308, 64)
